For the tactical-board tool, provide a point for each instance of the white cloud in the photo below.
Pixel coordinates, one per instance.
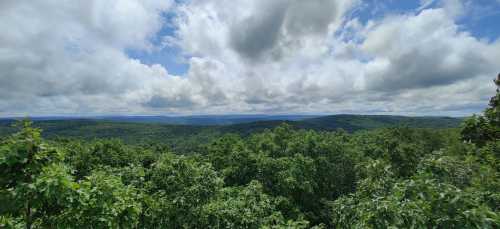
(278, 65)
(424, 50)
(69, 57)
(282, 56)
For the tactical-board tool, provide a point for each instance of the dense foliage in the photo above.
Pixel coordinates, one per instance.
(186, 139)
(279, 178)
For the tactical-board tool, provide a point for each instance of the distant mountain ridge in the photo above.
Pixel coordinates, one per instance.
(358, 122)
(243, 124)
(185, 138)
(197, 120)
(353, 123)
(347, 122)
(207, 120)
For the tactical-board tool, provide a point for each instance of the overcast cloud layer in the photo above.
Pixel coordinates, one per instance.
(260, 56)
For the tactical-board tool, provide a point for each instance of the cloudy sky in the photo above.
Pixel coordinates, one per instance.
(94, 57)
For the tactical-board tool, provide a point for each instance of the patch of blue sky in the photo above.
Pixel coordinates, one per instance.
(481, 18)
(376, 9)
(169, 56)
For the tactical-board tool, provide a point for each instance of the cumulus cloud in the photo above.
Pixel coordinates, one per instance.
(259, 30)
(424, 50)
(283, 56)
(68, 56)
(303, 56)
(275, 27)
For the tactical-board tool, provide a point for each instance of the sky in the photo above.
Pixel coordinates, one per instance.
(185, 57)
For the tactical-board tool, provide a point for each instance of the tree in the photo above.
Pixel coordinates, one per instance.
(103, 201)
(484, 128)
(178, 186)
(23, 157)
(245, 207)
(383, 201)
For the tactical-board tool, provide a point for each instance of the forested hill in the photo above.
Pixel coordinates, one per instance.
(187, 137)
(351, 123)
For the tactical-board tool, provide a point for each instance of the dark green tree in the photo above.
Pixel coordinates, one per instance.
(23, 159)
(484, 128)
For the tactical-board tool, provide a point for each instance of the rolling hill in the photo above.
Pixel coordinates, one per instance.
(195, 120)
(351, 123)
(188, 137)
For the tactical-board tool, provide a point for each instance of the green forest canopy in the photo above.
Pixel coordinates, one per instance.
(185, 139)
(279, 178)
